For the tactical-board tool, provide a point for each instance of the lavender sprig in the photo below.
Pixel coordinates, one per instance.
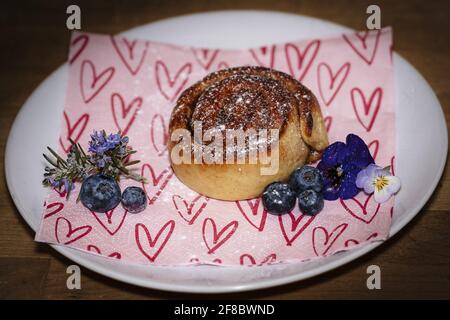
(107, 154)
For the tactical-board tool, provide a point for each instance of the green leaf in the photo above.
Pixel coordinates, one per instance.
(57, 156)
(132, 163)
(82, 150)
(124, 170)
(72, 142)
(50, 161)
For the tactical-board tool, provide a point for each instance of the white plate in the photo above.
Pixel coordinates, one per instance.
(421, 155)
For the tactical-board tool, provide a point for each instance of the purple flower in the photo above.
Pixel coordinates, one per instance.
(101, 143)
(65, 183)
(51, 182)
(100, 163)
(98, 137)
(340, 164)
(113, 140)
(103, 161)
(107, 149)
(379, 181)
(98, 143)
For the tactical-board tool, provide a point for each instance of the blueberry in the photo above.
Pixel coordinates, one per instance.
(278, 198)
(100, 193)
(310, 202)
(134, 199)
(305, 178)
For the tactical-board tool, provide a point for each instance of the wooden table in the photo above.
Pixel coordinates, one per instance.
(415, 263)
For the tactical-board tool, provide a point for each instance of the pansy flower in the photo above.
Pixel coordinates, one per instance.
(378, 181)
(340, 164)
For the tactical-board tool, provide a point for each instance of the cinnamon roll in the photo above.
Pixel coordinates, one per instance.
(281, 114)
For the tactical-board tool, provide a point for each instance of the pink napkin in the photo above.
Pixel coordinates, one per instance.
(131, 85)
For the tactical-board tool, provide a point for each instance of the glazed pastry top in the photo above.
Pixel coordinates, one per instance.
(250, 97)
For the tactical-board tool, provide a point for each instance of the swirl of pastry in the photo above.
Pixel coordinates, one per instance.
(243, 102)
(246, 98)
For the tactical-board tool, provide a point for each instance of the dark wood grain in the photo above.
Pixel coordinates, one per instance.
(415, 263)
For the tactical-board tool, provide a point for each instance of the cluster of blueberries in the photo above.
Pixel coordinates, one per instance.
(305, 183)
(101, 193)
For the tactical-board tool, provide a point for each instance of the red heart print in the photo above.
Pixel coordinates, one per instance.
(328, 120)
(324, 240)
(364, 43)
(270, 259)
(189, 211)
(92, 83)
(354, 242)
(171, 86)
(155, 183)
(132, 53)
(93, 248)
(66, 234)
(292, 227)
(61, 194)
(362, 207)
(392, 165)
(72, 131)
(373, 147)
(78, 44)
(366, 111)
(111, 220)
(124, 115)
(264, 56)
(159, 135)
(197, 261)
(205, 57)
(330, 83)
(53, 208)
(213, 239)
(255, 214)
(299, 61)
(152, 247)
